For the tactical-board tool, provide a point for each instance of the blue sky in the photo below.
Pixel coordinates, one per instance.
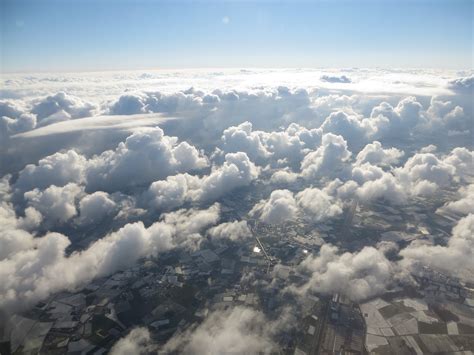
(82, 35)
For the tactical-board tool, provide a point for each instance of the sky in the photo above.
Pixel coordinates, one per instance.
(85, 35)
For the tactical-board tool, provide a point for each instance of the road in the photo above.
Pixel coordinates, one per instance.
(317, 340)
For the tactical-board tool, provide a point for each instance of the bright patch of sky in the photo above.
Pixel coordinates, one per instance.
(80, 35)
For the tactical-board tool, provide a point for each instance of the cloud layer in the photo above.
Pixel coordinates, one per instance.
(147, 155)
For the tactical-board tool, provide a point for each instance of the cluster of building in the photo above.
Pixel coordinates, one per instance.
(437, 317)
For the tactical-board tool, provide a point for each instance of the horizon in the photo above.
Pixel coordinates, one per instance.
(276, 68)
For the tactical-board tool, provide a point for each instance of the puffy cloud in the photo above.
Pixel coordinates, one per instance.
(31, 220)
(145, 156)
(439, 108)
(446, 115)
(128, 104)
(309, 138)
(61, 101)
(168, 194)
(14, 235)
(422, 174)
(94, 207)
(464, 85)
(350, 127)
(408, 110)
(283, 205)
(236, 230)
(242, 139)
(423, 168)
(456, 258)
(11, 109)
(291, 143)
(456, 120)
(238, 330)
(375, 154)
(462, 160)
(336, 79)
(14, 240)
(342, 190)
(397, 121)
(57, 169)
(190, 222)
(185, 225)
(144, 102)
(265, 108)
(8, 217)
(431, 148)
(406, 120)
(14, 118)
(326, 104)
(317, 204)
(237, 171)
(56, 204)
(283, 176)
(136, 342)
(38, 267)
(10, 126)
(464, 205)
(387, 188)
(186, 157)
(280, 207)
(366, 172)
(328, 160)
(216, 110)
(357, 275)
(190, 100)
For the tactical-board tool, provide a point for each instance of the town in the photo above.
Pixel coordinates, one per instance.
(168, 294)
